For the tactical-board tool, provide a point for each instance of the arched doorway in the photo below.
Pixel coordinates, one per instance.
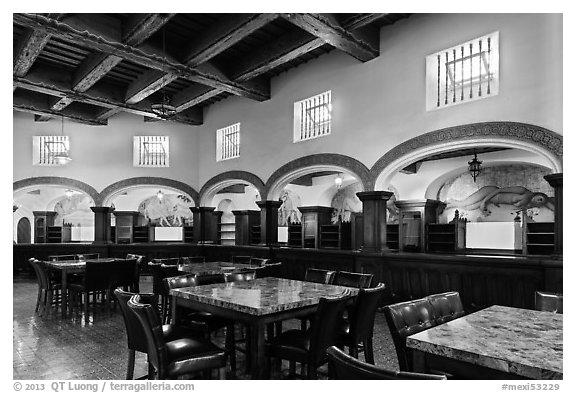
(24, 231)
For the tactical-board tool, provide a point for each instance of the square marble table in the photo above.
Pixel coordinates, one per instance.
(67, 267)
(256, 303)
(501, 340)
(212, 268)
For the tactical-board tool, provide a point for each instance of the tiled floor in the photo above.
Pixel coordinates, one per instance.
(53, 348)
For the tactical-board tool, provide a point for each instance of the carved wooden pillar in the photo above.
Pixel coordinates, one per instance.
(268, 222)
(374, 220)
(555, 181)
(203, 224)
(102, 221)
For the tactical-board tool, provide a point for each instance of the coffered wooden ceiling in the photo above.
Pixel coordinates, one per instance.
(89, 67)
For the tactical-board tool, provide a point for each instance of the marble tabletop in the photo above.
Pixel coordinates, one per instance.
(262, 296)
(74, 263)
(212, 268)
(513, 340)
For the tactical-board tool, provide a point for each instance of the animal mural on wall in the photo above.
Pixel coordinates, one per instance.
(170, 211)
(74, 210)
(345, 202)
(489, 200)
(288, 211)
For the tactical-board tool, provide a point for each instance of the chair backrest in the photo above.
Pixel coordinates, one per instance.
(269, 270)
(549, 301)
(186, 280)
(123, 272)
(364, 312)
(241, 276)
(350, 279)
(206, 279)
(156, 270)
(446, 306)
(319, 275)
(343, 366)
(241, 259)
(41, 276)
(152, 327)
(134, 331)
(323, 332)
(405, 319)
(195, 259)
(97, 275)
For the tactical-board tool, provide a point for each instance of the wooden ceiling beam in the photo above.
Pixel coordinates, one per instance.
(29, 47)
(192, 96)
(38, 105)
(148, 83)
(42, 118)
(139, 28)
(356, 21)
(126, 52)
(228, 31)
(327, 28)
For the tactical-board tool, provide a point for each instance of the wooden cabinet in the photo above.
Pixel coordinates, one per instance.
(143, 234)
(413, 217)
(226, 233)
(392, 236)
(188, 234)
(294, 235)
(245, 220)
(446, 237)
(338, 236)
(125, 227)
(312, 218)
(255, 234)
(42, 221)
(54, 234)
(539, 238)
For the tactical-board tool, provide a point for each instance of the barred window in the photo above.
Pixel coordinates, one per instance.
(228, 142)
(47, 148)
(313, 117)
(463, 73)
(151, 151)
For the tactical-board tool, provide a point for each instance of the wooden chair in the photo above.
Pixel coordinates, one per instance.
(48, 291)
(176, 358)
(549, 301)
(309, 346)
(343, 366)
(96, 281)
(350, 279)
(319, 275)
(447, 306)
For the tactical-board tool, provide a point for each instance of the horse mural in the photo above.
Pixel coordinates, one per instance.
(288, 211)
(170, 211)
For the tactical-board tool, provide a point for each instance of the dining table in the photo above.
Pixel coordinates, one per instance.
(498, 342)
(256, 303)
(67, 267)
(206, 268)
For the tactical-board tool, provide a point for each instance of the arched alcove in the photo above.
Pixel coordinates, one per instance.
(228, 180)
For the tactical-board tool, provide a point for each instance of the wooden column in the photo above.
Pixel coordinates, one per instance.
(245, 219)
(374, 220)
(269, 222)
(556, 181)
(102, 224)
(203, 224)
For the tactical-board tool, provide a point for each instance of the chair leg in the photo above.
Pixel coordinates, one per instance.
(231, 346)
(248, 350)
(292, 367)
(87, 300)
(369, 351)
(38, 299)
(353, 350)
(130, 367)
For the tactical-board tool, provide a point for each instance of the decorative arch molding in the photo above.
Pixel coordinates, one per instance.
(314, 163)
(146, 180)
(535, 139)
(225, 179)
(58, 181)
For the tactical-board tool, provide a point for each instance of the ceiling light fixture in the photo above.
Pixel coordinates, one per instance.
(62, 157)
(164, 109)
(475, 167)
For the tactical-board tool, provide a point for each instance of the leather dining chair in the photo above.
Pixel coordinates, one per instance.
(241, 276)
(48, 291)
(135, 335)
(96, 280)
(345, 367)
(319, 275)
(179, 357)
(549, 301)
(309, 346)
(359, 326)
(446, 306)
(350, 279)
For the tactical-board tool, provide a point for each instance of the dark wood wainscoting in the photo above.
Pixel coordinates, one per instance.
(481, 280)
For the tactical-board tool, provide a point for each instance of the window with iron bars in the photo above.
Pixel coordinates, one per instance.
(228, 142)
(463, 73)
(151, 151)
(47, 147)
(313, 117)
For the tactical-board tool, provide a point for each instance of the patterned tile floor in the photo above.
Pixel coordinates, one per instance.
(53, 348)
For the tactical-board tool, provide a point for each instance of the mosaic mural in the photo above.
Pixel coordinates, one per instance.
(74, 211)
(288, 211)
(173, 210)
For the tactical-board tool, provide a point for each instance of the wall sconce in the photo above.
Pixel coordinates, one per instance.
(160, 195)
(69, 193)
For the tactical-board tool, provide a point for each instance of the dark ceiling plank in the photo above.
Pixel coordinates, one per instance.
(139, 28)
(137, 56)
(222, 35)
(327, 28)
(356, 21)
(193, 117)
(193, 95)
(36, 105)
(42, 118)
